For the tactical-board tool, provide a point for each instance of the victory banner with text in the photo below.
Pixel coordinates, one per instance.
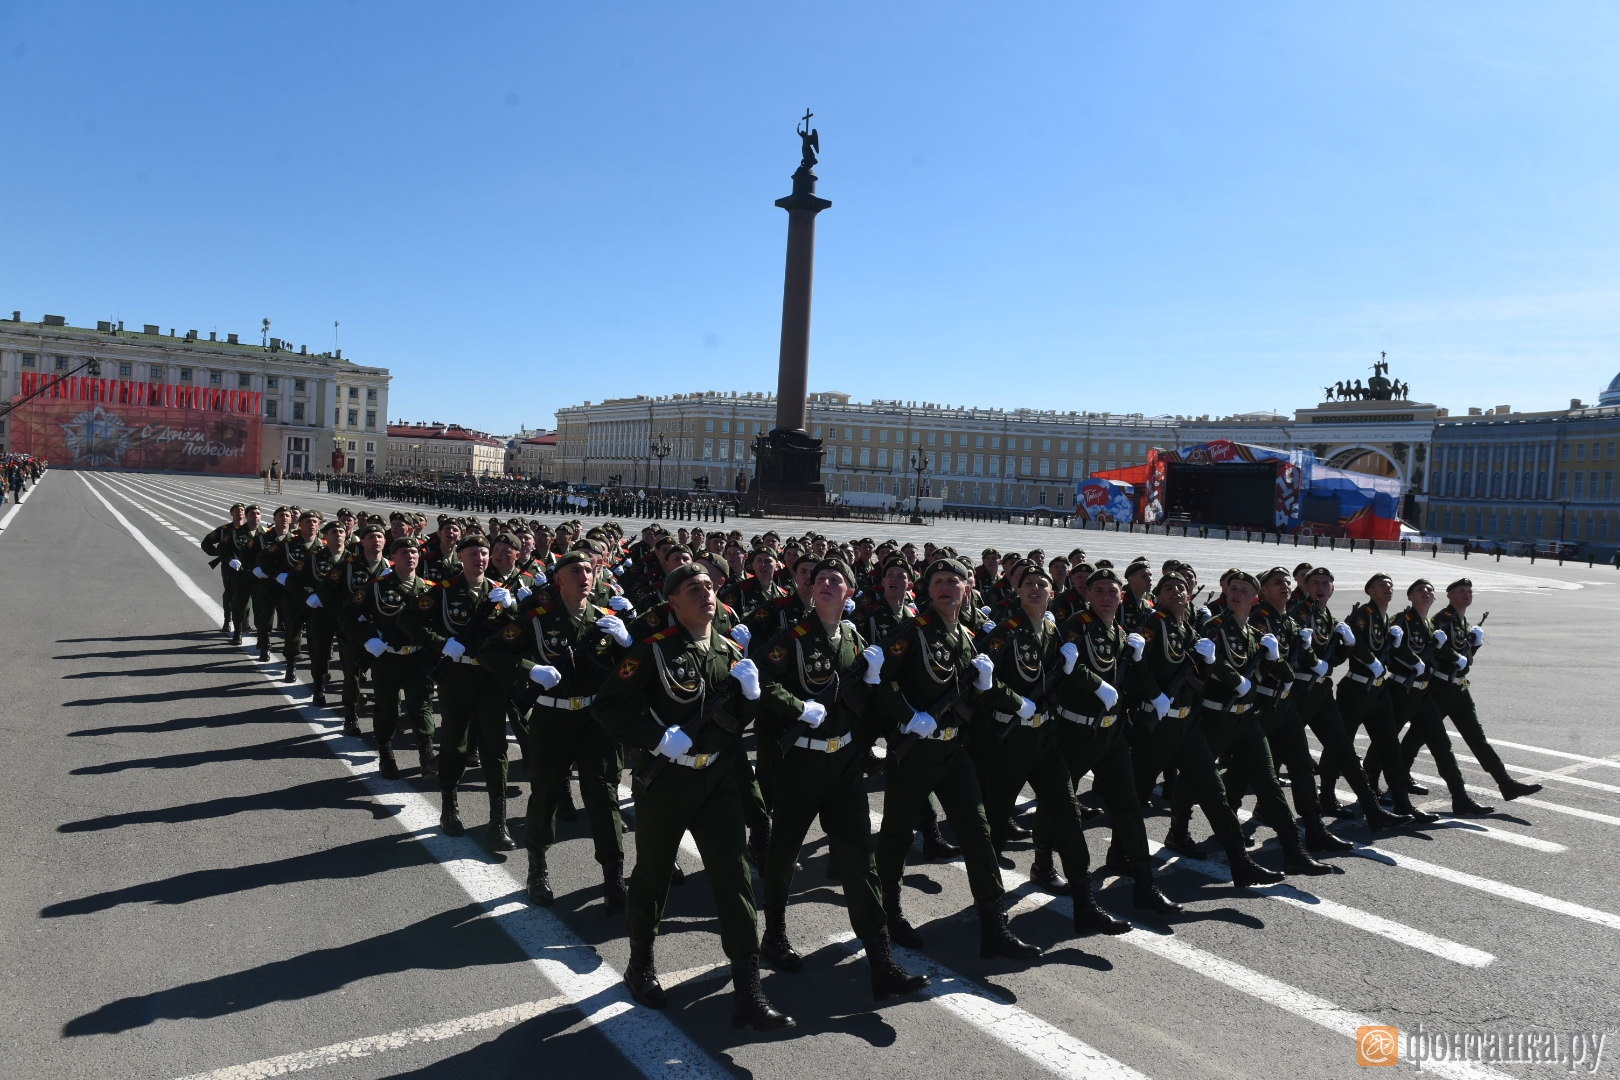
(104, 435)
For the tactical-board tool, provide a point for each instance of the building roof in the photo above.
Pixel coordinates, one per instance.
(190, 340)
(541, 440)
(449, 432)
(1611, 396)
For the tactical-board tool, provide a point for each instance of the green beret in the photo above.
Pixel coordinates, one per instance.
(838, 566)
(1244, 576)
(1034, 569)
(805, 558)
(1171, 578)
(902, 562)
(311, 514)
(238, 506)
(1275, 571)
(471, 540)
(371, 527)
(1319, 571)
(682, 574)
(1139, 565)
(1101, 574)
(509, 539)
(1420, 583)
(331, 526)
(1367, 588)
(1304, 566)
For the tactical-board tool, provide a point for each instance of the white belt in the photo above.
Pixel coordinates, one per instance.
(944, 734)
(696, 761)
(404, 650)
(829, 746)
(1031, 722)
(1221, 706)
(569, 704)
(1366, 680)
(1177, 714)
(1411, 682)
(1280, 693)
(462, 659)
(1458, 679)
(1106, 720)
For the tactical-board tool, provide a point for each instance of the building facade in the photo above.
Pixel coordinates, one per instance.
(532, 455)
(321, 413)
(445, 448)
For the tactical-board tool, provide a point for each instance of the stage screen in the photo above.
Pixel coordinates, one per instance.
(106, 435)
(1239, 495)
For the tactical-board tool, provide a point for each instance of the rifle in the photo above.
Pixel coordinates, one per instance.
(653, 763)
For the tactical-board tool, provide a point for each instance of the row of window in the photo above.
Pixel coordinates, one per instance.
(1523, 485)
(1528, 524)
(159, 373)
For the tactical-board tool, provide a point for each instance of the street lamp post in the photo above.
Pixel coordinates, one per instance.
(919, 465)
(1563, 513)
(660, 449)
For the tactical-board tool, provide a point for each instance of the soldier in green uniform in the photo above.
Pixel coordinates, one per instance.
(818, 676)
(220, 545)
(1453, 696)
(684, 695)
(383, 609)
(931, 679)
(564, 646)
(324, 595)
(354, 577)
(267, 565)
(449, 624)
(289, 574)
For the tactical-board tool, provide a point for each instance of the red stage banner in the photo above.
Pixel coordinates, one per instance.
(112, 436)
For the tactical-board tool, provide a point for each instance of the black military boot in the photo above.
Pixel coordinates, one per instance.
(1513, 789)
(613, 886)
(291, 673)
(236, 637)
(1044, 872)
(1318, 838)
(1402, 804)
(900, 931)
(1016, 831)
(750, 1007)
(1146, 894)
(317, 697)
(351, 721)
(1463, 805)
(935, 848)
(428, 755)
(889, 979)
(1180, 841)
(498, 837)
(1247, 872)
(1330, 807)
(387, 767)
(1379, 819)
(642, 977)
(774, 946)
(264, 654)
(997, 939)
(1415, 788)
(1296, 860)
(450, 814)
(539, 881)
(1089, 918)
(225, 627)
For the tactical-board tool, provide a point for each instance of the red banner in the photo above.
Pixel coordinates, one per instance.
(111, 436)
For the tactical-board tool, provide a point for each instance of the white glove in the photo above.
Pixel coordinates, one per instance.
(1462, 663)
(1306, 636)
(312, 600)
(1137, 643)
(742, 635)
(921, 724)
(501, 595)
(1346, 635)
(614, 627)
(1071, 656)
(281, 578)
(1321, 667)
(989, 627)
(376, 646)
(524, 592)
(235, 564)
(986, 669)
(1244, 686)
(747, 673)
(1161, 705)
(1204, 614)
(874, 664)
(1440, 639)
(619, 603)
(1107, 695)
(1419, 669)
(849, 605)
(618, 571)
(540, 577)
(546, 675)
(1398, 635)
(1375, 667)
(986, 612)
(258, 572)
(1477, 636)
(1269, 643)
(1026, 708)
(454, 649)
(1205, 650)
(814, 715)
(674, 743)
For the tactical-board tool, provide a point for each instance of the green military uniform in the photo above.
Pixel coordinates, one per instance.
(1454, 698)
(383, 610)
(320, 581)
(268, 561)
(352, 578)
(222, 545)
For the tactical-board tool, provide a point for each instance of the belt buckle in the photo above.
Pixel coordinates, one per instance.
(700, 761)
(1107, 721)
(833, 744)
(1037, 720)
(575, 704)
(947, 734)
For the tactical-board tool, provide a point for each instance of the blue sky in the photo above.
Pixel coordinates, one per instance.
(1157, 208)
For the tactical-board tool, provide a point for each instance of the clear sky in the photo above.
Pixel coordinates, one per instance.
(1158, 208)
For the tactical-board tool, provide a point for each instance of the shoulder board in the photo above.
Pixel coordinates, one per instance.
(731, 646)
(924, 618)
(665, 634)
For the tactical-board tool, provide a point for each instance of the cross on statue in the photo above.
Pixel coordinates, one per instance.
(810, 139)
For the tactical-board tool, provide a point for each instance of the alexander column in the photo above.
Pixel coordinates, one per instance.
(789, 457)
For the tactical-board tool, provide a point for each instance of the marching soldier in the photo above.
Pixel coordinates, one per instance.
(222, 547)
(379, 616)
(324, 595)
(268, 564)
(293, 562)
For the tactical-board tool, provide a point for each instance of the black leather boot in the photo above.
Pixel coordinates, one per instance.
(900, 931)
(290, 675)
(450, 815)
(935, 848)
(539, 883)
(889, 979)
(613, 886)
(387, 767)
(498, 837)
(1462, 805)
(1318, 838)
(317, 698)
(642, 977)
(1016, 831)
(1246, 872)
(1402, 804)
(1513, 789)
(1089, 918)
(1296, 860)
(997, 939)
(750, 1007)
(1044, 872)
(428, 755)
(1146, 894)
(1379, 819)
(774, 946)
(1180, 841)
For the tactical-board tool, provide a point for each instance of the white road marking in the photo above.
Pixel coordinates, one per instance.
(17, 504)
(1577, 781)
(1529, 800)
(145, 492)
(1481, 828)
(1050, 1047)
(647, 1039)
(1610, 762)
(1494, 888)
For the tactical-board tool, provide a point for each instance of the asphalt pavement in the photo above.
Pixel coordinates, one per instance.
(206, 878)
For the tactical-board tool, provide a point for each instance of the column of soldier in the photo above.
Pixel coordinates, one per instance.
(662, 652)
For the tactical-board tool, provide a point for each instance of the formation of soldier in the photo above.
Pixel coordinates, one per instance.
(17, 471)
(670, 653)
